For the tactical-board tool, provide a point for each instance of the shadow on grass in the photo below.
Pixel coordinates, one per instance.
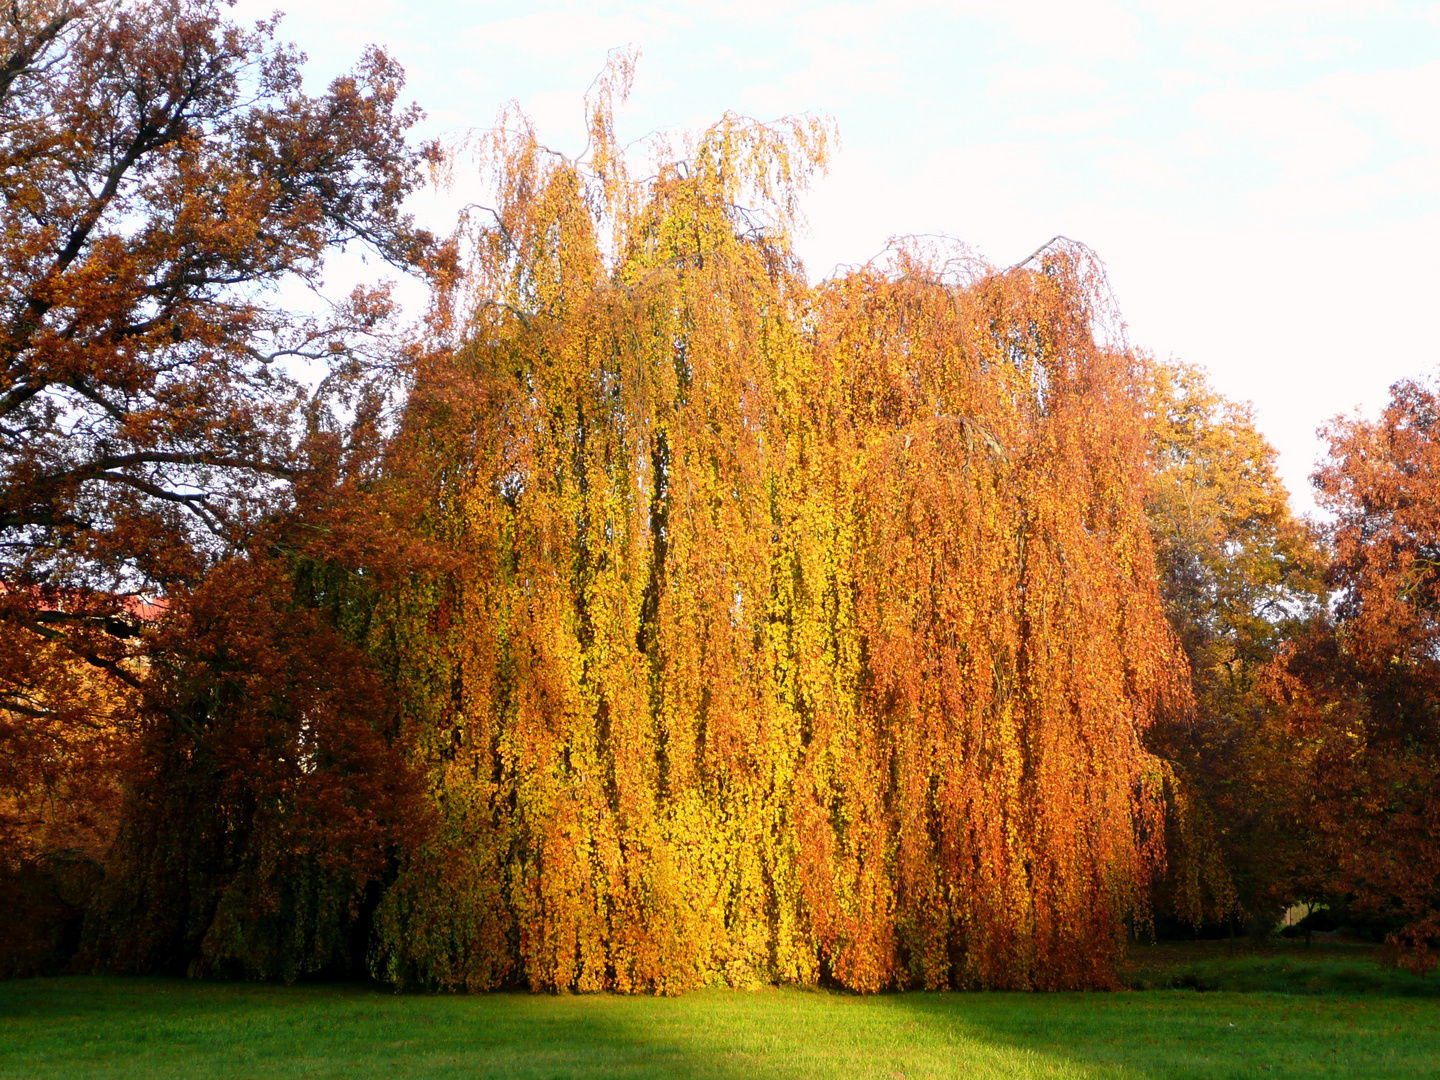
(102, 1027)
(106, 1027)
(1357, 1021)
(1275, 1011)
(1274, 967)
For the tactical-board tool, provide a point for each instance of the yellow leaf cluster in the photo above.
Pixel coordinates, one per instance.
(792, 633)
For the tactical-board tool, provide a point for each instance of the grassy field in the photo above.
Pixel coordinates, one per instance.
(1278, 1011)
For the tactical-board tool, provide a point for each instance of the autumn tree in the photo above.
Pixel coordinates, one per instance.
(169, 188)
(1364, 687)
(1239, 576)
(793, 632)
(267, 794)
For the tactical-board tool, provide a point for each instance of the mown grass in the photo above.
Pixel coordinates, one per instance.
(1280, 1011)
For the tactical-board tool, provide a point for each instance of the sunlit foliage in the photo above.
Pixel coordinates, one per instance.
(1239, 575)
(692, 622)
(793, 632)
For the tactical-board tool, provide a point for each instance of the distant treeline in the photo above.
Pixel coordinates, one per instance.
(645, 616)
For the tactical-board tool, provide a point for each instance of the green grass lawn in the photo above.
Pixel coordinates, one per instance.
(1276, 1011)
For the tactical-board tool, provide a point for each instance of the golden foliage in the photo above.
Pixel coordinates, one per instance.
(65, 737)
(793, 632)
(1238, 576)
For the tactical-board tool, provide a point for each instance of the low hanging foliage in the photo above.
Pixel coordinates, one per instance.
(794, 633)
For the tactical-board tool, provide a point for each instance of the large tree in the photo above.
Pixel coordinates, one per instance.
(794, 632)
(168, 191)
(163, 176)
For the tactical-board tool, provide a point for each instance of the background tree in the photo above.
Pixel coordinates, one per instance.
(1239, 576)
(165, 174)
(267, 794)
(1364, 687)
(167, 186)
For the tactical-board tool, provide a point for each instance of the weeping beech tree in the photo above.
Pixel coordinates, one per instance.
(791, 632)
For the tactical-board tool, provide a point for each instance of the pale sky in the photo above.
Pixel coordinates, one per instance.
(1261, 177)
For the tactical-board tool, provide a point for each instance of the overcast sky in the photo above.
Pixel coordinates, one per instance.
(1261, 177)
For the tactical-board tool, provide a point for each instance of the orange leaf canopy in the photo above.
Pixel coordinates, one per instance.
(794, 632)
